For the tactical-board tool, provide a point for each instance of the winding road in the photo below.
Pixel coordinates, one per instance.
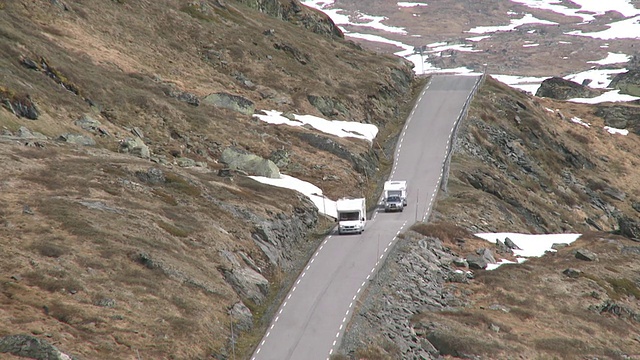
(312, 318)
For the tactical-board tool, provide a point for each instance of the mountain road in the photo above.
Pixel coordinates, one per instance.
(313, 316)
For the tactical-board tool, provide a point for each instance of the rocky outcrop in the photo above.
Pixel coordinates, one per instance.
(241, 316)
(328, 106)
(299, 56)
(620, 117)
(238, 159)
(412, 280)
(30, 347)
(77, 139)
(20, 105)
(231, 102)
(295, 13)
(135, 146)
(364, 163)
(561, 89)
(629, 228)
(235, 103)
(278, 238)
(627, 82)
(248, 283)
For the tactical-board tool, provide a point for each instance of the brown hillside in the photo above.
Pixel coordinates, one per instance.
(144, 255)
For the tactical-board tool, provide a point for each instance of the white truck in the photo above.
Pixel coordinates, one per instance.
(352, 215)
(395, 195)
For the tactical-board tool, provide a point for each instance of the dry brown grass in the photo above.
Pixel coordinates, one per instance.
(445, 231)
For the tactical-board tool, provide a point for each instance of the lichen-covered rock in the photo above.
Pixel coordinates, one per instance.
(620, 116)
(238, 159)
(561, 89)
(627, 82)
(135, 146)
(231, 102)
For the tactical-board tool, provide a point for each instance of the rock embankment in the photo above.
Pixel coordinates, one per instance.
(416, 277)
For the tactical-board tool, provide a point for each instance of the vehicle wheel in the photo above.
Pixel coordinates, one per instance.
(401, 210)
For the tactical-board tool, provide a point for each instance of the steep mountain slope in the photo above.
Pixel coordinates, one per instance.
(124, 233)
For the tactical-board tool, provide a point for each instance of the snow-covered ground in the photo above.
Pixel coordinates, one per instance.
(530, 245)
(586, 10)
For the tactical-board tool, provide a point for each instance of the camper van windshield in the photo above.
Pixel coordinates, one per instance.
(348, 216)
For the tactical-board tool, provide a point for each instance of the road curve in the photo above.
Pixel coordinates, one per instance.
(312, 318)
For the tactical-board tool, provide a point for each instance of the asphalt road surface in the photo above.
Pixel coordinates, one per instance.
(312, 318)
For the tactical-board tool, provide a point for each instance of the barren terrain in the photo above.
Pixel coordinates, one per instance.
(126, 236)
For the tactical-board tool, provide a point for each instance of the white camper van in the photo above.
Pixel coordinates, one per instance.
(395, 195)
(352, 215)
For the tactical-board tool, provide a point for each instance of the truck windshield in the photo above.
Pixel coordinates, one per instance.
(393, 199)
(348, 216)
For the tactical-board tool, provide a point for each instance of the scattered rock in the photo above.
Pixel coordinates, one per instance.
(238, 159)
(498, 307)
(137, 132)
(135, 146)
(25, 133)
(151, 176)
(105, 302)
(26, 209)
(476, 262)
(487, 255)
(586, 255)
(184, 96)
(77, 139)
(572, 273)
(501, 248)
(558, 246)
(460, 262)
(224, 173)
(99, 205)
(87, 122)
(511, 244)
(185, 162)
